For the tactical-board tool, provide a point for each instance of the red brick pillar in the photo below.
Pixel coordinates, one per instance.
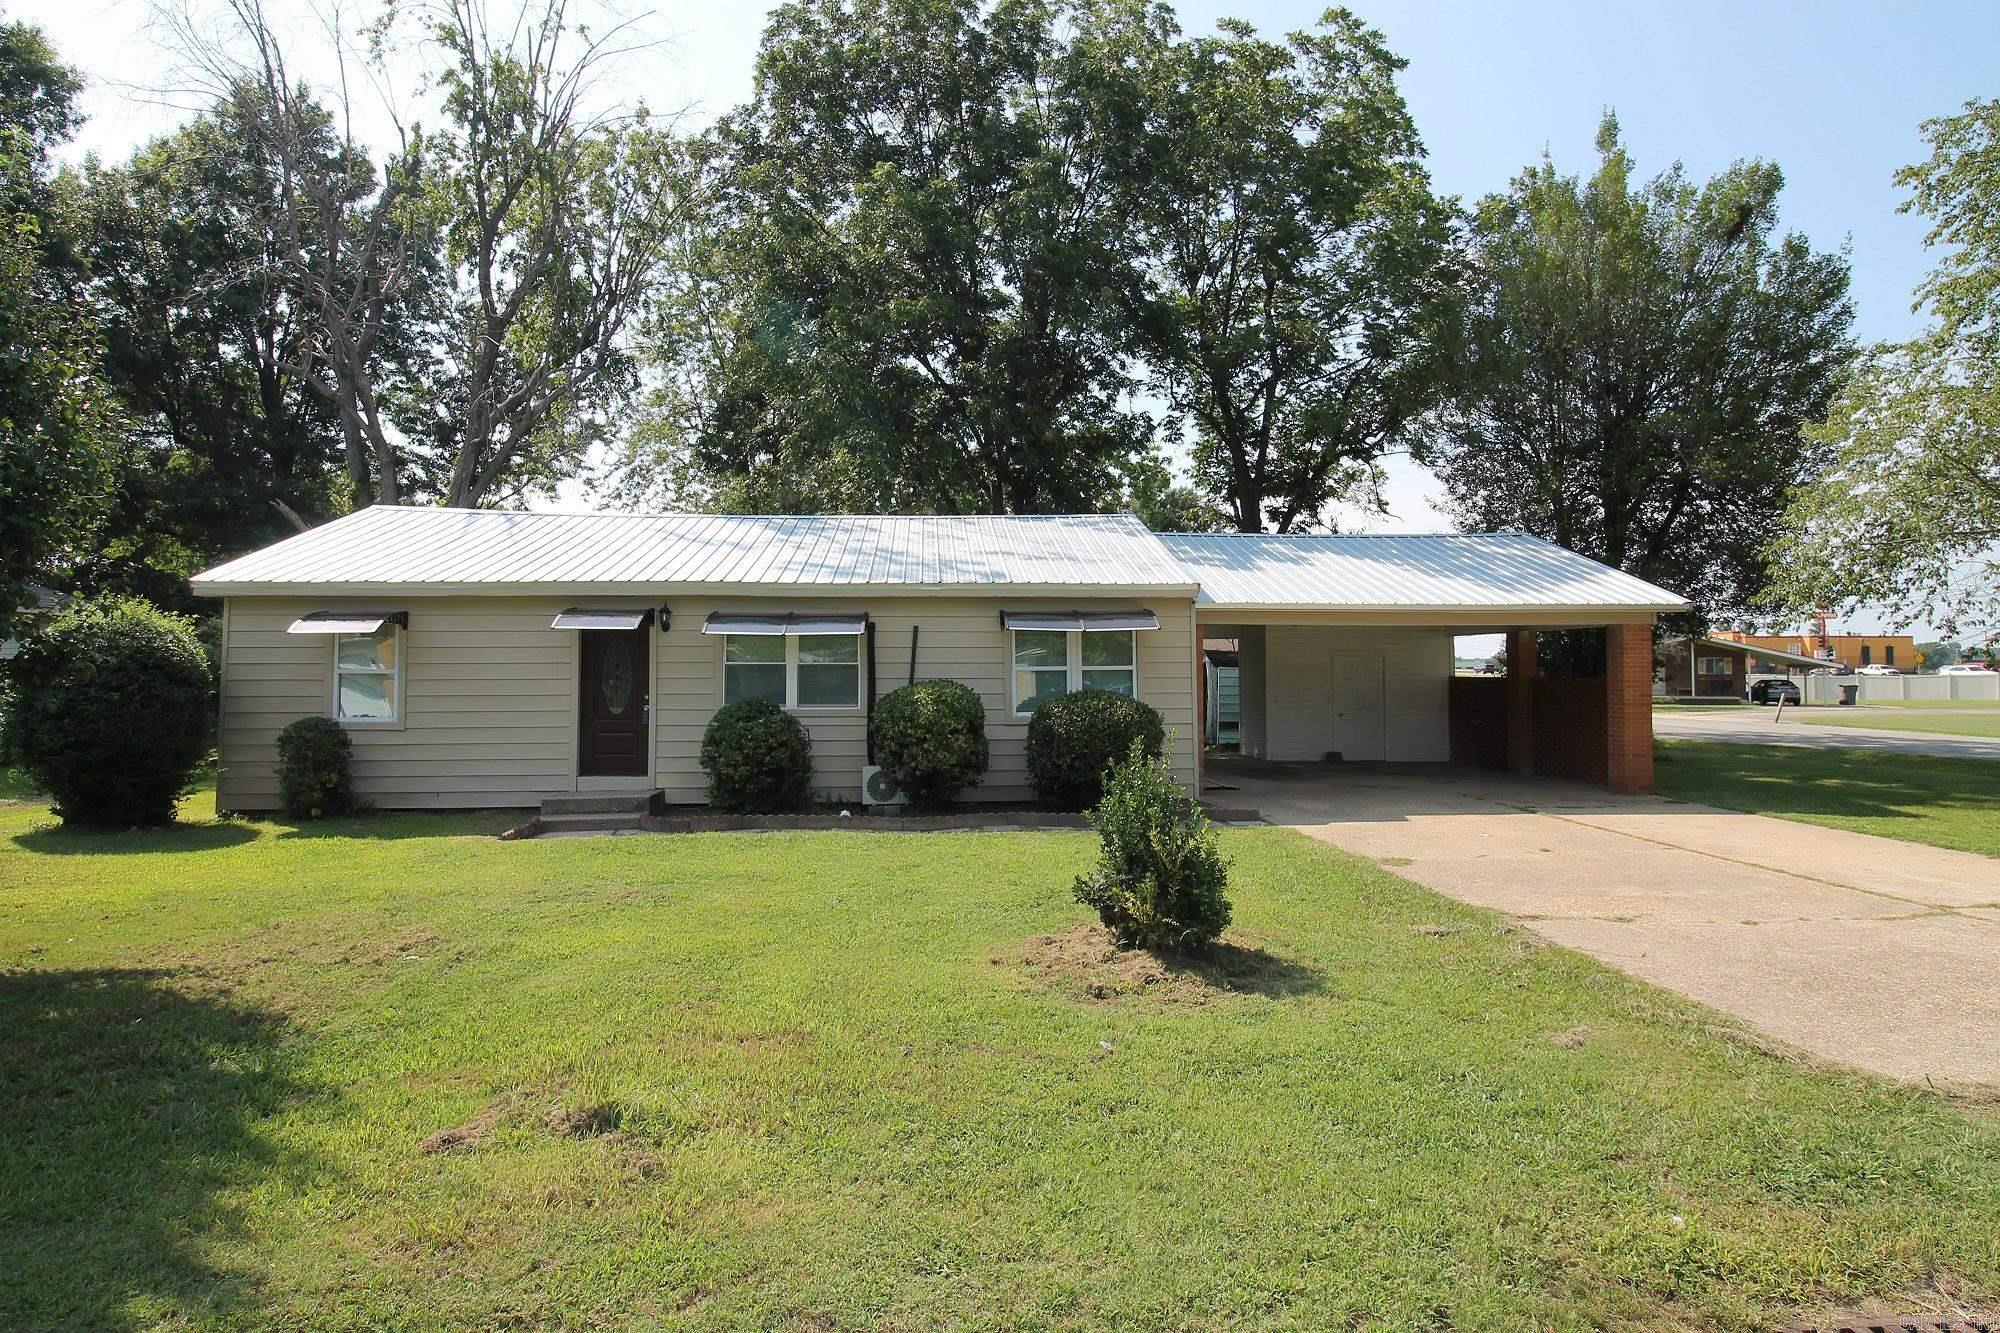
(1628, 709)
(1521, 701)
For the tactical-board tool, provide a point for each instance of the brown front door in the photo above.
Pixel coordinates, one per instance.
(612, 716)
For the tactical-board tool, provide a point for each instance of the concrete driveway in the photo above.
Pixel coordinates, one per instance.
(1863, 950)
(1755, 725)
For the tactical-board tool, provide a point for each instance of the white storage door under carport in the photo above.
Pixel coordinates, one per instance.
(1364, 692)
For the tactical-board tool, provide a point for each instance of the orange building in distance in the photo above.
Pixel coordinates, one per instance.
(1852, 651)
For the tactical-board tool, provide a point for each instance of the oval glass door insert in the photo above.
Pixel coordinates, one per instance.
(615, 677)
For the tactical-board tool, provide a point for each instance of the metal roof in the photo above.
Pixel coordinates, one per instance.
(1761, 654)
(1491, 571)
(426, 550)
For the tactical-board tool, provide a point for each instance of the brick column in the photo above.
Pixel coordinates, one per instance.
(1521, 701)
(1628, 709)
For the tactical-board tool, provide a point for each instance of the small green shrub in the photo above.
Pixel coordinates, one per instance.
(315, 768)
(108, 711)
(931, 737)
(758, 759)
(1072, 740)
(1159, 879)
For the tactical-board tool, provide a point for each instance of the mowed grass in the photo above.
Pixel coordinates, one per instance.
(1984, 723)
(1920, 798)
(835, 1097)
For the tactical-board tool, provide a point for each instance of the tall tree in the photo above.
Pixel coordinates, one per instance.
(916, 291)
(58, 434)
(205, 337)
(1907, 517)
(348, 230)
(1300, 264)
(555, 214)
(471, 295)
(1634, 368)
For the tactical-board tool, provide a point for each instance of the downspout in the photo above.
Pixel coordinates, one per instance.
(871, 689)
(913, 653)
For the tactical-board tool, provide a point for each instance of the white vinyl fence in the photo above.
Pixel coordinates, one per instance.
(1982, 688)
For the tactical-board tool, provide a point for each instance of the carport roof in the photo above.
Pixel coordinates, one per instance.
(1488, 572)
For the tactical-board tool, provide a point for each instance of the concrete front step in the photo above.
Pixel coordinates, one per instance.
(585, 821)
(603, 803)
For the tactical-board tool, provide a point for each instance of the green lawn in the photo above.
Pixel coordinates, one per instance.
(1920, 798)
(1944, 724)
(806, 1080)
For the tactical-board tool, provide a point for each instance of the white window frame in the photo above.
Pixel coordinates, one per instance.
(395, 674)
(1708, 667)
(792, 704)
(1073, 664)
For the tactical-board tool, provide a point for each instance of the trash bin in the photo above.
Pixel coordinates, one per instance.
(1847, 693)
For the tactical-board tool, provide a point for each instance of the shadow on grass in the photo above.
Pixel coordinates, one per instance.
(396, 824)
(129, 1102)
(1861, 784)
(1086, 961)
(73, 840)
(1248, 970)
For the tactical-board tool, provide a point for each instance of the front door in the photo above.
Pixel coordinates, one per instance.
(613, 710)
(1357, 708)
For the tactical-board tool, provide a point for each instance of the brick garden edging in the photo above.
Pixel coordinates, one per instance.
(995, 819)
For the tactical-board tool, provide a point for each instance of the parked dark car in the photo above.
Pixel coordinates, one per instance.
(1772, 690)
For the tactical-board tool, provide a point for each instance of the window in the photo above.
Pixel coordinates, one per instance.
(1864, 654)
(793, 670)
(1714, 666)
(1052, 662)
(1888, 654)
(368, 675)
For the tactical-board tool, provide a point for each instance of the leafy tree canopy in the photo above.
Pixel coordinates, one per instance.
(1907, 515)
(204, 338)
(58, 433)
(1634, 367)
(914, 289)
(1300, 265)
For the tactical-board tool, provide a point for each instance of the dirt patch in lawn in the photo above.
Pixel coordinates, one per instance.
(1085, 962)
(471, 1132)
(584, 1122)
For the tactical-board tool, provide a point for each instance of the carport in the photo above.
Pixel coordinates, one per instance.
(1346, 651)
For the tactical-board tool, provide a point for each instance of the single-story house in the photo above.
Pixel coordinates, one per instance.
(488, 658)
(1705, 667)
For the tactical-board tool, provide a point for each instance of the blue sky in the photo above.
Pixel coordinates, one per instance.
(1832, 92)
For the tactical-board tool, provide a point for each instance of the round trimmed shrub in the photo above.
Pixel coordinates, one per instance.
(109, 711)
(315, 768)
(1160, 876)
(931, 737)
(758, 759)
(1073, 739)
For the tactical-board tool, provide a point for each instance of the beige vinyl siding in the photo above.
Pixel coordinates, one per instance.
(959, 638)
(1297, 670)
(488, 714)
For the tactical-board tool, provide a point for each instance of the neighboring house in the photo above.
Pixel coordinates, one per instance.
(1717, 667)
(28, 617)
(486, 658)
(1849, 650)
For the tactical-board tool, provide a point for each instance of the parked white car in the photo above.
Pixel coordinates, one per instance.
(1965, 669)
(1878, 669)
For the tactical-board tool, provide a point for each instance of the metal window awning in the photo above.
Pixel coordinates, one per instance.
(1084, 621)
(579, 618)
(725, 622)
(347, 622)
